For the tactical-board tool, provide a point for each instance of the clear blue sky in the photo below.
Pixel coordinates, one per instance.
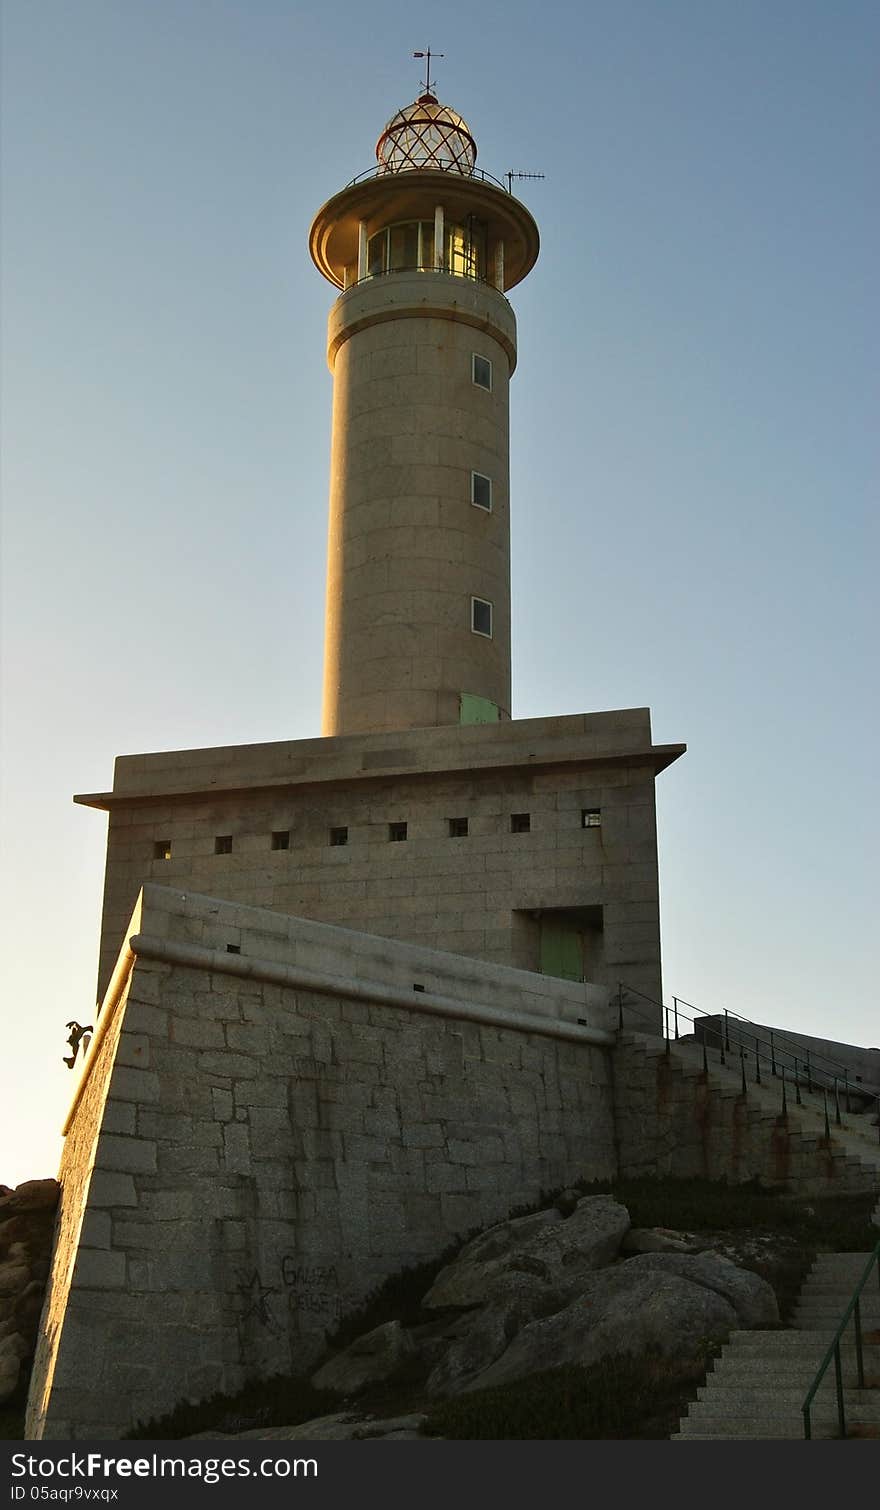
(693, 463)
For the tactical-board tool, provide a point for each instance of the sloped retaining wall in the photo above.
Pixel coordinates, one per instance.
(265, 1131)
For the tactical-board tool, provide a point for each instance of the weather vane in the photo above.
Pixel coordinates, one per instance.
(426, 82)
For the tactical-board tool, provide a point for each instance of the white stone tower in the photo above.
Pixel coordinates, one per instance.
(422, 344)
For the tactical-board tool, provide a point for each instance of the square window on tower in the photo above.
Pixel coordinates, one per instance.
(397, 832)
(458, 828)
(481, 371)
(223, 844)
(481, 491)
(281, 838)
(591, 817)
(481, 617)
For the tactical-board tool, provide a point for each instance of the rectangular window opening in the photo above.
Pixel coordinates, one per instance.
(223, 844)
(162, 849)
(233, 948)
(520, 823)
(481, 491)
(591, 817)
(281, 838)
(481, 617)
(338, 836)
(481, 371)
(458, 828)
(396, 833)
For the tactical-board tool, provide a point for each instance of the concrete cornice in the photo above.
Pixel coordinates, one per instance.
(656, 756)
(245, 967)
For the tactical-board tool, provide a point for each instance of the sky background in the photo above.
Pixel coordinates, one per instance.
(693, 461)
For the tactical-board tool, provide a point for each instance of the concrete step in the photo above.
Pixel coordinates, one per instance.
(710, 1417)
(734, 1400)
(791, 1344)
(773, 1375)
(786, 1434)
(839, 1292)
(826, 1291)
(841, 1260)
(829, 1306)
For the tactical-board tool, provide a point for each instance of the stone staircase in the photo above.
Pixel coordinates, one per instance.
(858, 1135)
(675, 1117)
(757, 1386)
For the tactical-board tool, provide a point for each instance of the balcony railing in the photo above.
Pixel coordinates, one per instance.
(476, 173)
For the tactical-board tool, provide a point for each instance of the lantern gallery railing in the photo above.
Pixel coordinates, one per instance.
(384, 172)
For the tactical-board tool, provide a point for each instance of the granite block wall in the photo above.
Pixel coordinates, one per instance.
(258, 1140)
(254, 824)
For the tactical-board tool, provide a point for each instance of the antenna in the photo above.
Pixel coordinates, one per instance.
(511, 176)
(426, 82)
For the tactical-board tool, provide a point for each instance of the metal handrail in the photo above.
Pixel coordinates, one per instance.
(730, 1038)
(852, 1310)
(780, 1038)
(380, 171)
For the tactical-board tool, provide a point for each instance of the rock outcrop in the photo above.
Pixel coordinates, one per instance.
(568, 1285)
(27, 1221)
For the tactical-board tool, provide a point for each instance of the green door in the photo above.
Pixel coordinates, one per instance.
(562, 949)
(478, 710)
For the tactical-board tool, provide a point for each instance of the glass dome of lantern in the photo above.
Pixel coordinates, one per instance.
(426, 135)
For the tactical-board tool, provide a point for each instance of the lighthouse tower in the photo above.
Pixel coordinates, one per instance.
(520, 842)
(422, 346)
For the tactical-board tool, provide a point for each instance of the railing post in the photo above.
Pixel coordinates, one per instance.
(784, 1100)
(772, 1055)
(809, 1074)
(742, 1065)
(675, 1011)
(666, 1028)
(705, 1059)
(726, 1030)
(825, 1105)
(797, 1085)
(757, 1061)
(860, 1362)
(837, 1117)
(721, 1047)
(838, 1375)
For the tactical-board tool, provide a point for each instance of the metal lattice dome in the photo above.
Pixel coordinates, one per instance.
(426, 134)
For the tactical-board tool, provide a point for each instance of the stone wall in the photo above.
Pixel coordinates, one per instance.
(481, 894)
(672, 1119)
(259, 1139)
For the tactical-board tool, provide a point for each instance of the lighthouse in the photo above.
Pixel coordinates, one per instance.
(422, 347)
(359, 993)
(425, 813)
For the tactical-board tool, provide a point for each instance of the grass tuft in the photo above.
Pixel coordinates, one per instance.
(617, 1398)
(279, 1401)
